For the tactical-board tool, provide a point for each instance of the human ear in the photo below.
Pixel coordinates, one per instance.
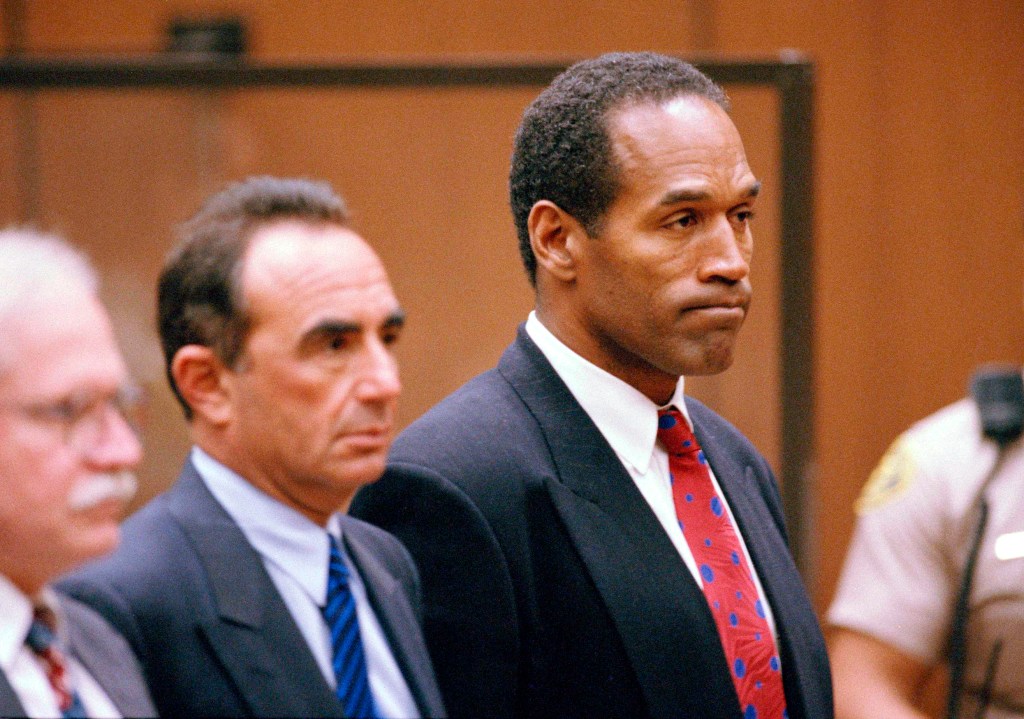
(554, 237)
(200, 378)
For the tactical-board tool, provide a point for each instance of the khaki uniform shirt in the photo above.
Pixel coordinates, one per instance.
(916, 519)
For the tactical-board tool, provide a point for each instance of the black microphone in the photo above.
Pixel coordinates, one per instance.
(998, 391)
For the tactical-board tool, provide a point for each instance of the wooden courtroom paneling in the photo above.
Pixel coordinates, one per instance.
(920, 216)
(918, 194)
(425, 172)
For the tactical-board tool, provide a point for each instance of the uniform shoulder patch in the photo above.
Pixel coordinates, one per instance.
(889, 480)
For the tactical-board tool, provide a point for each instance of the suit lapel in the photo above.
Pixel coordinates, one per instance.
(107, 657)
(651, 596)
(9, 704)
(253, 635)
(397, 619)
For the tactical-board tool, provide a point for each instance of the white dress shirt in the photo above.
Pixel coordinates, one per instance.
(26, 672)
(629, 422)
(295, 552)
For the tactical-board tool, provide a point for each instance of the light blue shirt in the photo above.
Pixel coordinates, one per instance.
(295, 552)
(628, 419)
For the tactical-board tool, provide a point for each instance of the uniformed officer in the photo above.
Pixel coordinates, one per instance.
(894, 606)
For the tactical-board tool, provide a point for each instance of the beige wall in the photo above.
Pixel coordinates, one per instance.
(919, 176)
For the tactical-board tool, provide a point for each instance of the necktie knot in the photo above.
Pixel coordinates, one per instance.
(337, 570)
(674, 433)
(42, 631)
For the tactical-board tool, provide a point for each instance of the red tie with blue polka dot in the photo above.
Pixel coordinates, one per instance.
(728, 584)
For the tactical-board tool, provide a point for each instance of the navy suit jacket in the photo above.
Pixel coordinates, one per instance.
(212, 632)
(550, 588)
(104, 654)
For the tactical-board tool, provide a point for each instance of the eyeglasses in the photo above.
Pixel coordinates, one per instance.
(83, 417)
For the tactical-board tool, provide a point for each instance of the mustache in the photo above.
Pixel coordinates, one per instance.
(100, 488)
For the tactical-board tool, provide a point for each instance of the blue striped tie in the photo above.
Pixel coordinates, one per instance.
(349, 661)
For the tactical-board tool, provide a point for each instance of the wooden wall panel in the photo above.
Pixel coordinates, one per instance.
(310, 28)
(919, 260)
(918, 195)
(116, 172)
(424, 172)
(9, 186)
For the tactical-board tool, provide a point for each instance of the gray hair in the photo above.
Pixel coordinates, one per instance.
(34, 266)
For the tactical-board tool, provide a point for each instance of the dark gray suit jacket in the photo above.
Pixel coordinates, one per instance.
(550, 587)
(106, 656)
(212, 632)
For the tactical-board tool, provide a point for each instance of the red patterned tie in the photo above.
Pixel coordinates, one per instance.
(41, 640)
(728, 584)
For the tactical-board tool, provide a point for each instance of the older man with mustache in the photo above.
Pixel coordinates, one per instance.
(66, 455)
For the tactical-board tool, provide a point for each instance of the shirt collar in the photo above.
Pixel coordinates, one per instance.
(16, 610)
(280, 534)
(623, 414)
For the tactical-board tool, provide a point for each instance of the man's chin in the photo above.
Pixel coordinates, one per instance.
(95, 541)
(371, 470)
(714, 355)
(108, 512)
(356, 471)
(709, 367)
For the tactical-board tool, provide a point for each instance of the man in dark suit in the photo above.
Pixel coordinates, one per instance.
(66, 457)
(245, 590)
(545, 501)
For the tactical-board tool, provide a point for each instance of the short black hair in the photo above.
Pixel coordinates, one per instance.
(562, 151)
(199, 297)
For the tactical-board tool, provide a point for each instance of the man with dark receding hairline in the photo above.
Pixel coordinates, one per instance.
(581, 555)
